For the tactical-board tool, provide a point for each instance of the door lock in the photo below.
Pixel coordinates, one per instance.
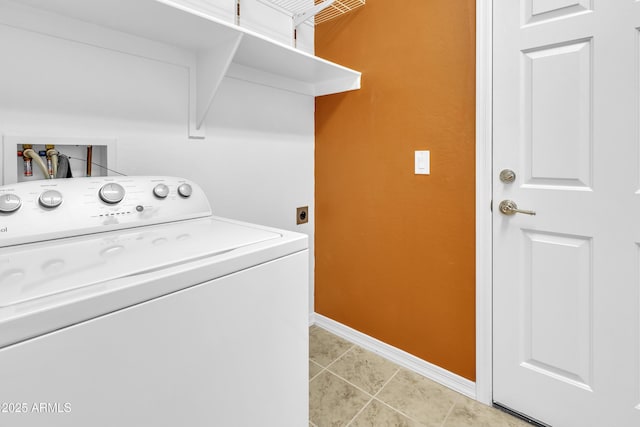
(509, 207)
(507, 176)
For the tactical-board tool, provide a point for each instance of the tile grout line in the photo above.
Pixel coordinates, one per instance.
(359, 412)
(325, 368)
(322, 369)
(356, 386)
(340, 357)
(372, 396)
(311, 379)
(349, 382)
(352, 345)
(391, 407)
(386, 383)
(400, 412)
(444, 422)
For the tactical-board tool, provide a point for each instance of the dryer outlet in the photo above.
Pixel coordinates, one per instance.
(302, 215)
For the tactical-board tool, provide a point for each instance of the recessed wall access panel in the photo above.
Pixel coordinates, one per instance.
(99, 153)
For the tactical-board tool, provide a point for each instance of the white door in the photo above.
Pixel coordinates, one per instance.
(567, 280)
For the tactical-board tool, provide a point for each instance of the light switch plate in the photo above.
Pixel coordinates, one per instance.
(422, 163)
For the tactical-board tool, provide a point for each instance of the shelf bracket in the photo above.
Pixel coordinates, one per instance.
(211, 66)
(299, 18)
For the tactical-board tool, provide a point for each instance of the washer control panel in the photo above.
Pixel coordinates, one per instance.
(48, 209)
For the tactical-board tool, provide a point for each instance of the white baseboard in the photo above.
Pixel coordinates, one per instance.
(400, 357)
(312, 318)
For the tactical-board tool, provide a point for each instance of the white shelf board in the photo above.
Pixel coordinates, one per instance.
(262, 60)
(288, 63)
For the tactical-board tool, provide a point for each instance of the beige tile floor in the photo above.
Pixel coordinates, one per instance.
(350, 386)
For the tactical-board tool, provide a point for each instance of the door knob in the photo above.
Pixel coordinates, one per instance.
(509, 207)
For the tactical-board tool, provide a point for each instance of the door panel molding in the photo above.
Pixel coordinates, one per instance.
(536, 11)
(553, 345)
(548, 125)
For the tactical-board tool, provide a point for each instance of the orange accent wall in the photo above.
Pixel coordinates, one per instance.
(395, 251)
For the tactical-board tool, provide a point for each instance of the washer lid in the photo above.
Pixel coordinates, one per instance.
(32, 271)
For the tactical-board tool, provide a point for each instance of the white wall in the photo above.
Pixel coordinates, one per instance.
(255, 164)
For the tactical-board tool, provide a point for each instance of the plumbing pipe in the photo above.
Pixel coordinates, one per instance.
(52, 154)
(30, 153)
(89, 159)
(28, 163)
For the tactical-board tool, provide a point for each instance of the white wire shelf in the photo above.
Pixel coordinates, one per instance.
(337, 8)
(306, 9)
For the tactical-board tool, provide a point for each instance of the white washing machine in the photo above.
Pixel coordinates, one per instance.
(124, 302)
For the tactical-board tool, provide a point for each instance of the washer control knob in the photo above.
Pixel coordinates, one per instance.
(112, 193)
(9, 203)
(50, 199)
(185, 190)
(161, 191)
